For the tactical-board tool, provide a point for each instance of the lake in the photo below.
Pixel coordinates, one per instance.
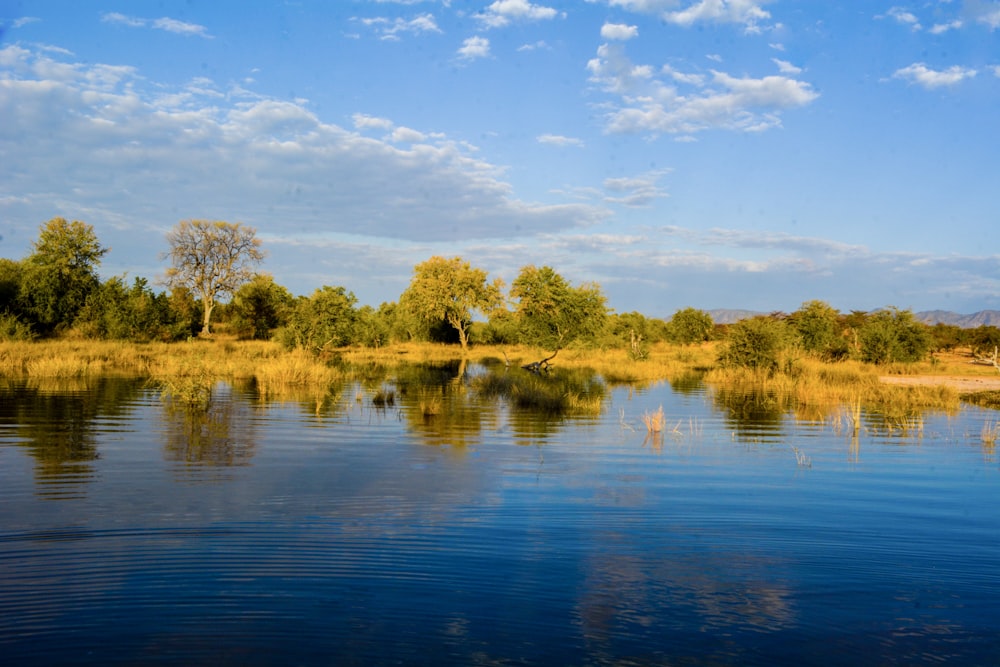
(414, 519)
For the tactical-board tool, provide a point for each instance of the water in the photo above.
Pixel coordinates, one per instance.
(328, 530)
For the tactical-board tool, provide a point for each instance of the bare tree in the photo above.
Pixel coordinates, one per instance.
(212, 259)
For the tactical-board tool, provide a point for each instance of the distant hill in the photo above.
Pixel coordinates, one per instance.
(982, 318)
(729, 316)
(931, 317)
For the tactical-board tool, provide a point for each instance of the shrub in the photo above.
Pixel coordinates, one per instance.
(892, 335)
(757, 343)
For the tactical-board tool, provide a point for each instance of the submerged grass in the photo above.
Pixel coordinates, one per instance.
(812, 386)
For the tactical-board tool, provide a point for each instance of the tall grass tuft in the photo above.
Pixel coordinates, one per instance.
(654, 421)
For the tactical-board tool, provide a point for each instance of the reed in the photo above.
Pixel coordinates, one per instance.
(990, 433)
(654, 421)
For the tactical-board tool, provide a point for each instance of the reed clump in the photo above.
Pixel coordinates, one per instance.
(654, 421)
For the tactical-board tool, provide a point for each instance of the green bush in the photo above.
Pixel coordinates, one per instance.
(758, 343)
(690, 326)
(892, 335)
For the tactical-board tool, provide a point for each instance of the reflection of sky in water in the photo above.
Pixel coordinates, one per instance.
(318, 528)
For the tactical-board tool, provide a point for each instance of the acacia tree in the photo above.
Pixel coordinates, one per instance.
(690, 325)
(551, 312)
(212, 259)
(61, 273)
(450, 290)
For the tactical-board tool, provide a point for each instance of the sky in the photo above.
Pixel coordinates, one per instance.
(750, 154)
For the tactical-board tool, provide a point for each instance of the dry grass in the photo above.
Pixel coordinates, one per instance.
(654, 421)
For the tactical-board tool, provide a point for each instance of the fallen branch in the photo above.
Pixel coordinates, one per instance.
(539, 367)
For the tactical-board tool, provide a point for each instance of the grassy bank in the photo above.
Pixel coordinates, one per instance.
(809, 383)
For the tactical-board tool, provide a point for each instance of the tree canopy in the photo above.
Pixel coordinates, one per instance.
(551, 312)
(451, 290)
(212, 259)
(60, 273)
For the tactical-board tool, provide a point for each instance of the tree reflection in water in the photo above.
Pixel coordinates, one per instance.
(219, 434)
(59, 421)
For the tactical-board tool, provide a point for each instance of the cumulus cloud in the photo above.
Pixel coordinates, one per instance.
(905, 17)
(926, 77)
(503, 12)
(619, 31)
(392, 29)
(474, 47)
(126, 154)
(744, 12)
(635, 191)
(657, 106)
(559, 140)
(786, 67)
(165, 23)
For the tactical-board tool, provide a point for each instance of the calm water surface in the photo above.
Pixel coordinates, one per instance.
(331, 529)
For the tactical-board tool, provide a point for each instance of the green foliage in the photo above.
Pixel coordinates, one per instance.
(259, 307)
(984, 340)
(321, 322)
(892, 335)
(12, 328)
(371, 329)
(817, 325)
(689, 326)
(551, 313)
(502, 329)
(115, 310)
(758, 343)
(60, 274)
(212, 259)
(450, 290)
(947, 336)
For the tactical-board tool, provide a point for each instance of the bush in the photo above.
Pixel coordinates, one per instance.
(757, 343)
(12, 328)
(893, 335)
(690, 326)
(325, 320)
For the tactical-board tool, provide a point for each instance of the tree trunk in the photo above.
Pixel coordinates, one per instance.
(208, 304)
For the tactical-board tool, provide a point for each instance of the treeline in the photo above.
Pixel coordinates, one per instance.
(56, 291)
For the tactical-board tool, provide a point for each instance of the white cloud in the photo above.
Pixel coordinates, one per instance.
(559, 140)
(474, 47)
(996, 70)
(165, 23)
(619, 31)
(744, 12)
(23, 21)
(503, 12)
(365, 122)
(786, 67)
(391, 29)
(984, 11)
(654, 106)
(922, 75)
(905, 17)
(941, 28)
(540, 44)
(126, 153)
(635, 191)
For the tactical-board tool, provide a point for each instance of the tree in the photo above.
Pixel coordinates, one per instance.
(116, 311)
(450, 290)
(756, 343)
(816, 324)
(212, 259)
(60, 274)
(261, 306)
(325, 320)
(552, 313)
(892, 335)
(690, 325)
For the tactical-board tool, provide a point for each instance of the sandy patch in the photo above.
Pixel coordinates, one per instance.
(961, 383)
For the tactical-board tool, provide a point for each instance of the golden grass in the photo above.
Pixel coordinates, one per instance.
(654, 421)
(813, 386)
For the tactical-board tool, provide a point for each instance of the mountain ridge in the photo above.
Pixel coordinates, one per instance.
(929, 317)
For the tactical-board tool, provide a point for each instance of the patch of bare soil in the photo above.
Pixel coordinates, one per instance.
(961, 383)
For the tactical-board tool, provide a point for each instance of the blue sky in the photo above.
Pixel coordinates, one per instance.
(709, 153)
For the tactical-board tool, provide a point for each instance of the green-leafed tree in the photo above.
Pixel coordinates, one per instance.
(259, 307)
(370, 328)
(757, 343)
(321, 322)
(450, 290)
(816, 323)
(552, 313)
(212, 259)
(59, 274)
(892, 335)
(689, 326)
(118, 311)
